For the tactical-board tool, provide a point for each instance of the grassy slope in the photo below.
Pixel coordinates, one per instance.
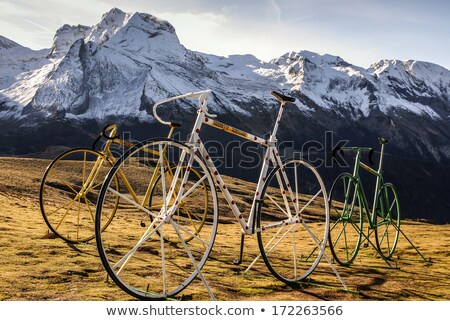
(37, 266)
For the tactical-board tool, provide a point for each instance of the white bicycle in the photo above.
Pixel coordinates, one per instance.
(155, 254)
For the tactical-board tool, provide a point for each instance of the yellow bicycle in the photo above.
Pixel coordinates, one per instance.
(71, 184)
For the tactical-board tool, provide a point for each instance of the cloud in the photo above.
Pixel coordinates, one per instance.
(44, 28)
(276, 9)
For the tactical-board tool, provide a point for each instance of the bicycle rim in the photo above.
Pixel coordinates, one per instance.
(293, 221)
(138, 248)
(346, 219)
(387, 221)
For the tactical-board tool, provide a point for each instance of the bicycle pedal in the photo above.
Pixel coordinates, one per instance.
(237, 262)
(142, 224)
(366, 245)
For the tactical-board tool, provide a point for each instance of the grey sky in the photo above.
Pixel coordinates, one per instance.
(361, 32)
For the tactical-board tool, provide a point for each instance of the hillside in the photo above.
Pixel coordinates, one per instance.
(41, 267)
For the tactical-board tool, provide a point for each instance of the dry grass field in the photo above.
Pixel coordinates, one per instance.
(38, 266)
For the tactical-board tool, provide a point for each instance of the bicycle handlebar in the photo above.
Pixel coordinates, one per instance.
(202, 97)
(104, 134)
(109, 127)
(354, 149)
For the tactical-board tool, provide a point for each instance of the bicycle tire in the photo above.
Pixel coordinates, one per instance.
(139, 260)
(346, 216)
(293, 260)
(387, 221)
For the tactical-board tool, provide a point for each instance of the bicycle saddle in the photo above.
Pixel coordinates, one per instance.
(282, 98)
(383, 140)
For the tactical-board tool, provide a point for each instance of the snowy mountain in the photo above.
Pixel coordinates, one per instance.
(116, 69)
(17, 62)
(142, 53)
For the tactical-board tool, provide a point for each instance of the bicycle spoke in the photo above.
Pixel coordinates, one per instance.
(132, 202)
(163, 181)
(65, 214)
(67, 184)
(283, 193)
(190, 214)
(87, 199)
(163, 259)
(336, 211)
(277, 205)
(345, 239)
(95, 186)
(78, 218)
(63, 206)
(124, 260)
(194, 262)
(195, 236)
(341, 232)
(392, 205)
(385, 235)
(89, 208)
(313, 237)
(294, 256)
(309, 202)
(84, 170)
(192, 188)
(280, 239)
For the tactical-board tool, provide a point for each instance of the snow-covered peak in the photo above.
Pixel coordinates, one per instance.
(391, 67)
(113, 16)
(65, 37)
(148, 37)
(114, 20)
(309, 57)
(109, 25)
(417, 77)
(236, 66)
(410, 68)
(155, 23)
(307, 69)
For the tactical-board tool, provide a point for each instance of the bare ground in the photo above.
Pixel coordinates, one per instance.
(37, 266)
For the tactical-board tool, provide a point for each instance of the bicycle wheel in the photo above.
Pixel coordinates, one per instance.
(69, 191)
(187, 211)
(387, 220)
(145, 249)
(293, 221)
(346, 219)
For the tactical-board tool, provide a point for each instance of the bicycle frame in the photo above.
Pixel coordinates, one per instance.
(379, 182)
(271, 155)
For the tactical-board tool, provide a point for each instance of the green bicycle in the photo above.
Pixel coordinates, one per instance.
(348, 204)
